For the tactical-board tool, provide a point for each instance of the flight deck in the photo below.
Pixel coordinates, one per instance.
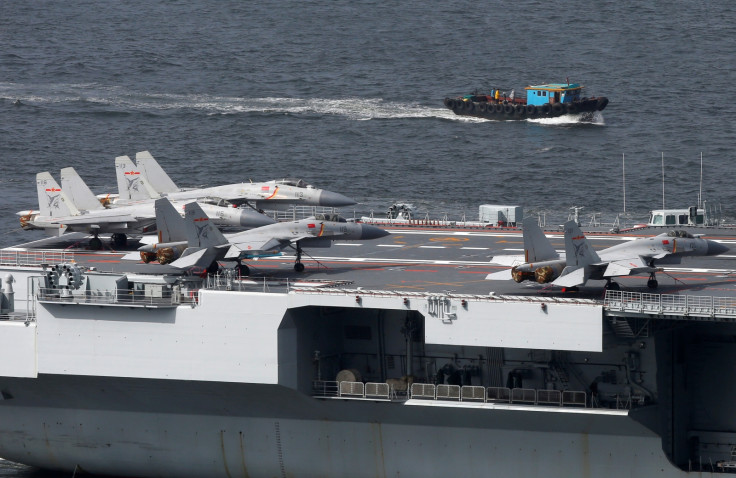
(434, 260)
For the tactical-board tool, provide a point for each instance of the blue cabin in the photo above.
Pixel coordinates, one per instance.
(553, 93)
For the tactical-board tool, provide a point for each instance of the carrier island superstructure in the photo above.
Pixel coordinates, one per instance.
(388, 359)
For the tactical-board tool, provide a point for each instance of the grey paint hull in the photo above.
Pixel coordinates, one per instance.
(180, 429)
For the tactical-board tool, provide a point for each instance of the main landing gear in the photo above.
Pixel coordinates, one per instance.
(298, 266)
(652, 282)
(242, 269)
(611, 285)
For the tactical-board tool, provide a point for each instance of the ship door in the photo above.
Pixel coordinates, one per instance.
(557, 97)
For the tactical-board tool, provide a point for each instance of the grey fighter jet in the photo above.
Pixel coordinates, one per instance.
(581, 263)
(146, 179)
(205, 244)
(73, 207)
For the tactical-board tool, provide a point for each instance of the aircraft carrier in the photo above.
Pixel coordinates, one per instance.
(393, 357)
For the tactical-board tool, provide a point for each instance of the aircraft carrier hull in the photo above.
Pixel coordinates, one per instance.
(194, 429)
(138, 371)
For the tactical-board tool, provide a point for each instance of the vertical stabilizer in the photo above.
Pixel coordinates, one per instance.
(78, 192)
(578, 252)
(132, 184)
(171, 226)
(155, 174)
(537, 247)
(52, 201)
(201, 232)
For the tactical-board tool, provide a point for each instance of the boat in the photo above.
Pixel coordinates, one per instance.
(541, 101)
(391, 357)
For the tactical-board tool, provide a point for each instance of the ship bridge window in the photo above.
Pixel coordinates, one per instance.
(670, 220)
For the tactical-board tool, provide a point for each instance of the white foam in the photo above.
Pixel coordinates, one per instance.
(595, 118)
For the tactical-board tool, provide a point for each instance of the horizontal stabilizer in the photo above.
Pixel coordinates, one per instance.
(193, 256)
(571, 277)
(507, 260)
(500, 275)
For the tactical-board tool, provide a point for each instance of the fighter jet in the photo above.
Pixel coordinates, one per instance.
(146, 179)
(73, 207)
(581, 263)
(205, 244)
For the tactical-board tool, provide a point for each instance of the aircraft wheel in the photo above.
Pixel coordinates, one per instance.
(243, 270)
(213, 268)
(95, 244)
(652, 283)
(299, 267)
(119, 240)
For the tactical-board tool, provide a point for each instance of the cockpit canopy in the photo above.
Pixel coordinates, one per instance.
(298, 183)
(680, 233)
(329, 217)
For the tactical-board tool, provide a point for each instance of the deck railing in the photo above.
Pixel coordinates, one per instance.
(454, 393)
(687, 306)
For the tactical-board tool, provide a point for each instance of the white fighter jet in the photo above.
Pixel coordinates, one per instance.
(581, 263)
(146, 179)
(74, 208)
(205, 244)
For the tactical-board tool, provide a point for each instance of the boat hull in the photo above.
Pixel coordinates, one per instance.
(170, 428)
(509, 111)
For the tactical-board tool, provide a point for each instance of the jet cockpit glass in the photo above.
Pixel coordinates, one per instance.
(680, 233)
(329, 217)
(297, 183)
(216, 202)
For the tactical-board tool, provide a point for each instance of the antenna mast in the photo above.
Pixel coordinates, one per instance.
(700, 193)
(623, 168)
(662, 179)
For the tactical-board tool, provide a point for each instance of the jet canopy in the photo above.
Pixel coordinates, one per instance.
(297, 183)
(329, 217)
(680, 233)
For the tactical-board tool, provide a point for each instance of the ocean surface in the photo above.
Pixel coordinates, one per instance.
(348, 95)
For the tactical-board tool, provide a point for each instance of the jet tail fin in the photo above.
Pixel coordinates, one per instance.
(52, 201)
(201, 232)
(169, 223)
(537, 247)
(154, 174)
(578, 251)
(78, 192)
(132, 184)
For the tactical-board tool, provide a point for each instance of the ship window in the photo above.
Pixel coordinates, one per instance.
(682, 219)
(670, 219)
(657, 219)
(357, 332)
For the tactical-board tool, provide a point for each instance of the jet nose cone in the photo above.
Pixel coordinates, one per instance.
(330, 199)
(250, 218)
(372, 232)
(715, 248)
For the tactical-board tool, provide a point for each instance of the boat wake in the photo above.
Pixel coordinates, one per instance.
(111, 99)
(595, 118)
